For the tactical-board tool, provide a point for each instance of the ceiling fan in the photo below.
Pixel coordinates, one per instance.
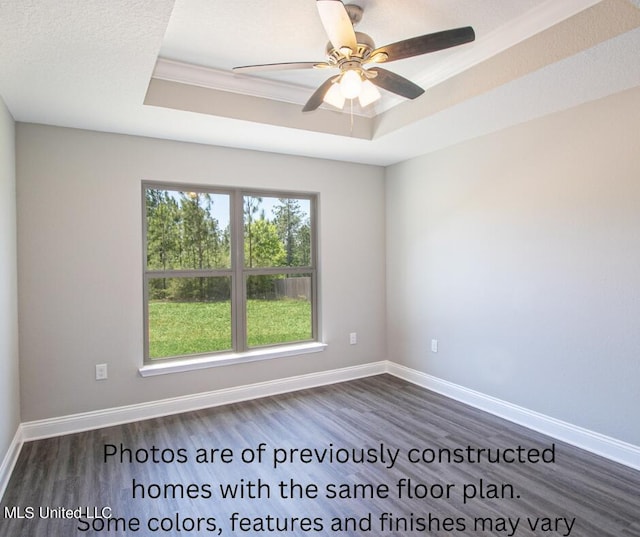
(352, 52)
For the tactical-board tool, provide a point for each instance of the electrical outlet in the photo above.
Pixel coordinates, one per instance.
(434, 345)
(101, 372)
(353, 338)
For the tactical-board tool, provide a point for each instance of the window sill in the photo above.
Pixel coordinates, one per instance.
(203, 362)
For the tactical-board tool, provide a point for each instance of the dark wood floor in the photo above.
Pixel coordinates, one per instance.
(579, 494)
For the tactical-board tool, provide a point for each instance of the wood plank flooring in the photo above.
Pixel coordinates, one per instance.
(377, 418)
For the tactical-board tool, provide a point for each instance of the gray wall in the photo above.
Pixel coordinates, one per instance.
(520, 252)
(9, 379)
(80, 262)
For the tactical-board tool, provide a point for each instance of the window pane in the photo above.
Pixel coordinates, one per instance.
(277, 232)
(189, 316)
(187, 230)
(278, 309)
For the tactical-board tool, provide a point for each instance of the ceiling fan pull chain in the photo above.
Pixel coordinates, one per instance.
(351, 117)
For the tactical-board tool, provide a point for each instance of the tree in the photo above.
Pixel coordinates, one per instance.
(163, 237)
(182, 233)
(251, 207)
(294, 231)
(266, 250)
(200, 237)
(163, 230)
(304, 243)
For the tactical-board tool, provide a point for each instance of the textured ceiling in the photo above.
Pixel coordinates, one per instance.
(227, 34)
(89, 64)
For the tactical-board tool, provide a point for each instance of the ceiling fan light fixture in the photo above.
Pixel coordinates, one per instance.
(350, 84)
(334, 96)
(369, 94)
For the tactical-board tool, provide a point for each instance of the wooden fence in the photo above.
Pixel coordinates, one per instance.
(294, 288)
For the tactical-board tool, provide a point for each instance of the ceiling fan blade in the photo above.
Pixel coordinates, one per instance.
(316, 99)
(280, 66)
(337, 24)
(423, 45)
(395, 83)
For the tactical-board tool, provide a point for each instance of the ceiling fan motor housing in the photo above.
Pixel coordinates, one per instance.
(355, 13)
(362, 52)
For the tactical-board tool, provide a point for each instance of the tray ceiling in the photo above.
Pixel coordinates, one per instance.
(162, 68)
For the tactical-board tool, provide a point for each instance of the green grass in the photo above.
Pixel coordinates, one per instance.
(179, 328)
(278, 321)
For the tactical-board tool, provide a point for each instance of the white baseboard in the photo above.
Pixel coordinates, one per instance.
(605, 446)
(34, 430)
(10, 459)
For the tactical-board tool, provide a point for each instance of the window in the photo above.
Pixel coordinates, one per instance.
(227, 270)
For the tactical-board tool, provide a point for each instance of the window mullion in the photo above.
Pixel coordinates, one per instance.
(260, 271)
(238, 305)
(189, 273)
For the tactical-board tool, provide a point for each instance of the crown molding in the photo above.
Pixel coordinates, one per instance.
(221, 80)
(536, 20)
(218, 79)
